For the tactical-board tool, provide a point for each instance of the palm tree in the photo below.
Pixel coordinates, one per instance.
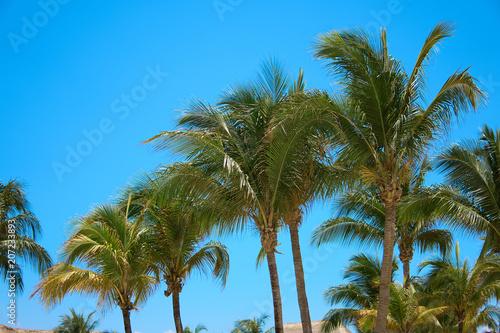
(464, 290)
(19, 229)
(255, 325)
(237, 158)
(386, 129)
(76, 323)
(199, 328)
(361, 219)
(176, 238)
(118, 268)
(358, 295)
(473, 201)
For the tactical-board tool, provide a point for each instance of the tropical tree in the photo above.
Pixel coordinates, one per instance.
(465, 291)
(358, 295)
(19, 229)
(385, 128)
(255, 325)
(199, 328)
(118, 270)
(177, 238)
(472, 199)
(244, 156)
(76, 323)
(361, 216)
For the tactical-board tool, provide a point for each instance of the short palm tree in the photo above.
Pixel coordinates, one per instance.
(176, 238)
(19, 229)
(113, 249)
(359, 295)
(199, 328)
(76, 323)
(361, 219)
(237, 158)
(465, 291)
(255, 325)
(472, 168)
(386, 129)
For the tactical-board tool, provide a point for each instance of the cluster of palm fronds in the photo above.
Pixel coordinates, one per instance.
(265, 151)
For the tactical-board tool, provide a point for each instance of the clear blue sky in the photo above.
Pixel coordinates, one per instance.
(67, 74)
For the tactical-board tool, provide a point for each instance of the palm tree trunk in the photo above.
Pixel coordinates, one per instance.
(275, 287)
(406, 273)
(126, 320)
(177, 312)
(385, 276)
(460, 327)
(299, 279)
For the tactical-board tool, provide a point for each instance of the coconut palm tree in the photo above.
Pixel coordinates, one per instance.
(473, 200)
(19, 229)
(360, 218)
(76, 323)
(177, 237)
(358, 295)
(465, 291)
(255, 325)
(118, 270)
(238, 158)
(387, 129)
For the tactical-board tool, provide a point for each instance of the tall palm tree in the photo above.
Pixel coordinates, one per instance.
(464, 290)
(237, 158)
(19, 229)
(358, 295)
(386, 128)
(76, 323)
(118, 270)
(255, 325)
(177, 237)
(361, 219)
(472, 168)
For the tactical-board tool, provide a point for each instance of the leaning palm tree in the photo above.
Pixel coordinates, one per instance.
(118, 270)
(177, 237)
(361, 219)
(19, 229)
(255, 325)
(465, 291)
(76, 323)
(385, 128)
(237, 158)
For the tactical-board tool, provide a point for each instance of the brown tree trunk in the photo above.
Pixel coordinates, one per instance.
(269, 240)
(385, 277)
(406, 273)
(406, 255)
(177, 312)
(299, 279)
(126, 320)
(460, 327)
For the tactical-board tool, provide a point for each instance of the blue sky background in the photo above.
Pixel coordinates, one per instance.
(70, 76)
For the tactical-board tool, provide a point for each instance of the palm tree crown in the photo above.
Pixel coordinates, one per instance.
(464, 290)
(16, 216)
